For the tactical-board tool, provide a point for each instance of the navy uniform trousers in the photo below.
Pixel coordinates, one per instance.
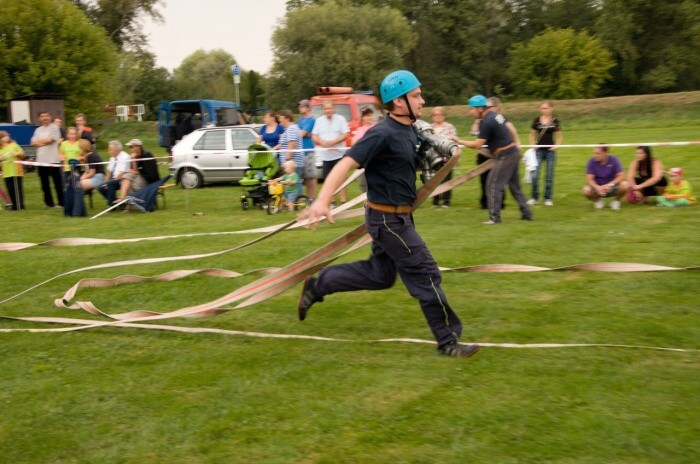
(396, 249)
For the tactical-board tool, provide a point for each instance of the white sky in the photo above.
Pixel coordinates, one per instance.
(240, 27)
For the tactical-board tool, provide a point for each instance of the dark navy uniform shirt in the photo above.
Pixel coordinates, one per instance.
(493, 129)
(388, 153)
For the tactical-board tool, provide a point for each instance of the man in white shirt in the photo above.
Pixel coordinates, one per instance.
(119, 164)
(45, 139)
(329, 135)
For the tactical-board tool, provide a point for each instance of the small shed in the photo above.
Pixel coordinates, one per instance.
(27, 107)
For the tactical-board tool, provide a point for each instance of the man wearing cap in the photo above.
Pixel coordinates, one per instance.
(495, 134)
(144, 170)
(388, 155)
(306, 126)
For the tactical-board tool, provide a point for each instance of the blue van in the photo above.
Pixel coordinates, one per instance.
(178, 118)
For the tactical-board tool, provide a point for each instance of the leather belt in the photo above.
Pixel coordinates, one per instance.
(500, 150)
(396, 209)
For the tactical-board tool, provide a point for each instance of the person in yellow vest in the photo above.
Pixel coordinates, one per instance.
(10, 153)
(69, 149)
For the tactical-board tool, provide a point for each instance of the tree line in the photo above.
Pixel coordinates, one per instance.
(95, 52)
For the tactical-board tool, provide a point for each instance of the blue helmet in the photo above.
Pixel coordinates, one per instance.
(477, 100)
(396, 84)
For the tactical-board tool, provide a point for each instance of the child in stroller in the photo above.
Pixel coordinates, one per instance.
(263, 167)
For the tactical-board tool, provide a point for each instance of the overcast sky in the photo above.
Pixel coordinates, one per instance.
(239, 27)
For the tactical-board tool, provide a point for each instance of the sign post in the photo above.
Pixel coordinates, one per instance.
(236, 71)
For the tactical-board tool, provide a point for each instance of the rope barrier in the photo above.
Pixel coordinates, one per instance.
(212, 330)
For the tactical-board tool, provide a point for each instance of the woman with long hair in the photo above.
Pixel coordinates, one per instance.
(645, 176)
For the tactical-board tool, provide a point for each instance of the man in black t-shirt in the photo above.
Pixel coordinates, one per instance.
(495, 134)
(388, 154)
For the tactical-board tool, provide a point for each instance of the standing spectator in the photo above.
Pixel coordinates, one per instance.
(367, 121)
(84, 131)
(143, 171)
(503, 145)
(678, 192)
(447, 130)
(306, 125)
(645, 176)
(69, 149)
(605, 178)
(46, 138)
(388, 154)
(118, 166)
(271, 131)
(12, 172)
(290, 143)
(94, 173)
(58, 121)
(329, 134)
(543, 131)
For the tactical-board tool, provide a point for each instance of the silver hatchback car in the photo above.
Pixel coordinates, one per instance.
(213, 154)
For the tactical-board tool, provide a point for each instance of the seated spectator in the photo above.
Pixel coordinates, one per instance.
(445, 129)
(605, 178)
(645, 176)
(94, 172)
(678, 192)
(12, 172)
(118, 166)
(290, 179)
(143, 171)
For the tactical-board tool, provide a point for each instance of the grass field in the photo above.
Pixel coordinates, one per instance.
(121, 395)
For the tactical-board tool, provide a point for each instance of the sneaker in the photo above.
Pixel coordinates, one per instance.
(600, 204)
(458, 349)
(531, 201)
(445, 206)
(615, 204)
(548, 203)
(489, 222)
(307, 298)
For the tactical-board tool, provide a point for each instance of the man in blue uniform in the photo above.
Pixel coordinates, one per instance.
(494, 132)
(388, 155)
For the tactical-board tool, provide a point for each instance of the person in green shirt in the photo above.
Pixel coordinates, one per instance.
(12, 172)
(678, 192)
(69, 149)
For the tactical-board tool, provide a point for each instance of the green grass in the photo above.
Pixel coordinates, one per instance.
(114, 395)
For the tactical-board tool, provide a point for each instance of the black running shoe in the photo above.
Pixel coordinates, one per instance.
(458, 349)
(307, 298)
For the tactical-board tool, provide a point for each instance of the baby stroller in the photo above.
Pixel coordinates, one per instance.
(263, 167)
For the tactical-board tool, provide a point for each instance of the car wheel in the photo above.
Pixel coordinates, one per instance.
(190, 179)
(273, 205)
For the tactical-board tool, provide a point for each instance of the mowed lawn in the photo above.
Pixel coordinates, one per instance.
(125, 395)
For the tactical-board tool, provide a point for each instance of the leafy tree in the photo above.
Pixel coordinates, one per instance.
(122, 19)
(654, 43)
(335, 44)
(559, 64)
(140, 81)
(205, 75)
(49, 46)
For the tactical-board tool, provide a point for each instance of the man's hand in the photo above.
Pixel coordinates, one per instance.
(315, 213)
